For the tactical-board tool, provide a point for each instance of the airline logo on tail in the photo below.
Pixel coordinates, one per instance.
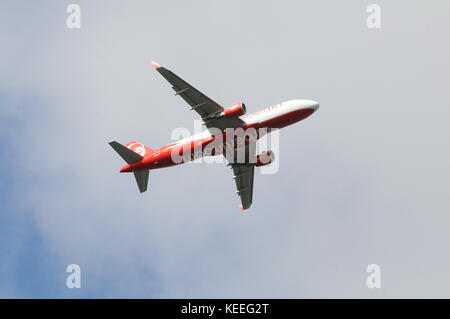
(137, 148)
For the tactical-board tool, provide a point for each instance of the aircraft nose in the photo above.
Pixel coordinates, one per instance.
(315, 106)
(311, 104)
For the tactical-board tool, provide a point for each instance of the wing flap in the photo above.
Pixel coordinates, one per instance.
(202, 104)
(244, 176)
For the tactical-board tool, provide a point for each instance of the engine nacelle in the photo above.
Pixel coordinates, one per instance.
(235, 110)
(265, 158)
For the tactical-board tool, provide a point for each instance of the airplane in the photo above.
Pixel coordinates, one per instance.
(220, 121)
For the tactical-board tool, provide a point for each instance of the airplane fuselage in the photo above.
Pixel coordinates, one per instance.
(272, 117)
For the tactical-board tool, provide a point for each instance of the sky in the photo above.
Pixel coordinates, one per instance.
(364, 180)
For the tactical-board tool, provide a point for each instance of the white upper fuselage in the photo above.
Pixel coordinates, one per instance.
(272, 117)
(267, 115)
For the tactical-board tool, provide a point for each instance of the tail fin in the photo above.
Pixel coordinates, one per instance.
(139, 148)
(128, 155)
(141, 179)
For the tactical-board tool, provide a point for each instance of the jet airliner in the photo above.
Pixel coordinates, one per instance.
(220, 121)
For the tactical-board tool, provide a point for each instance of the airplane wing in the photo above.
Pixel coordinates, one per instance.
(199, 102)
(243, 176)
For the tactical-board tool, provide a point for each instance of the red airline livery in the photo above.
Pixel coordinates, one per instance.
(230, 133)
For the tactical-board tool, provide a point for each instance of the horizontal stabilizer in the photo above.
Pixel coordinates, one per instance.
(128, 155)
(141, 179)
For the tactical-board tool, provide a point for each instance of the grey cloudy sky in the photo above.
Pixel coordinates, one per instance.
(364, 180)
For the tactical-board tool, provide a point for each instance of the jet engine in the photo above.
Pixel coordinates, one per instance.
(265, 158)
(235, 110)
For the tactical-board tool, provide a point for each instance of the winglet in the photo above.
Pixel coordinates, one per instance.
(240, 206)
(154, 64)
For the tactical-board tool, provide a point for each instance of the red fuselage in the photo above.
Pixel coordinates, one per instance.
(273, 117)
